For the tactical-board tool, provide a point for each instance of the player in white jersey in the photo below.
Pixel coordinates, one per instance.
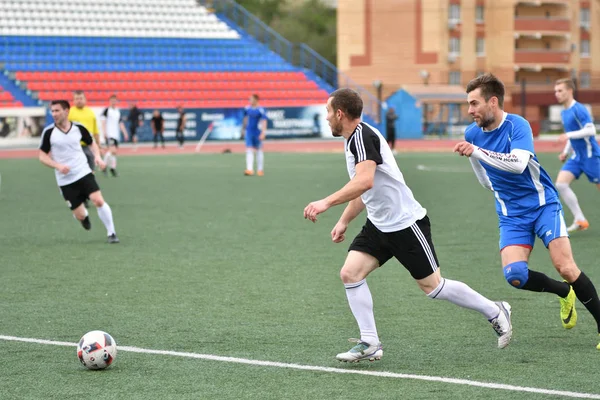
(61, 150)
(397, 226)
(112, 126)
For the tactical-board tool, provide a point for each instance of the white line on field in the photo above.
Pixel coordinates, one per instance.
(381, 374)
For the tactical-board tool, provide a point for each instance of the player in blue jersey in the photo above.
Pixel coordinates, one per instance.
(580, 137)
(254, 127)
(500, 148)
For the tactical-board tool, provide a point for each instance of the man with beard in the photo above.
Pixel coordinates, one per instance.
(500, 148)
(397, 226)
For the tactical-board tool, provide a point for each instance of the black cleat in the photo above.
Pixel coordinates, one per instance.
(87, 225)
(113, 239)
(114, 172)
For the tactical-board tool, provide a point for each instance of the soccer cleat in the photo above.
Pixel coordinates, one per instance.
(248, 172)
(260, 173)
(361, 351)
(581, 225)
(87, 225)
(502, 324)
(114, 172)
(113, 239)
(568, 314)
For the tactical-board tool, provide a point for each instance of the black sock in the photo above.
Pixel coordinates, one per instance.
(587, 295)
(538, 282)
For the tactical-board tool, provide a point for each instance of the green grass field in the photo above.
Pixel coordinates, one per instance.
(213, 262)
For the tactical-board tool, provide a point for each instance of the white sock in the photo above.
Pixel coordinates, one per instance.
(113, 162)
(250, 159)
(361, 304)
(570, 199)
(105, 214)
(260, 160)
(462, 295)
(107, 156)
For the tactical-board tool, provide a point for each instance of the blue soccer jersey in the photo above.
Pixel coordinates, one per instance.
(516, 194)
(575, 118)
(255, 115)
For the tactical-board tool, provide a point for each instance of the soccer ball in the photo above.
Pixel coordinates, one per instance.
(97, 350)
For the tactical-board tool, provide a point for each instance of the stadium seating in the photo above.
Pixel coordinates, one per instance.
(156, 53)
(7, 100)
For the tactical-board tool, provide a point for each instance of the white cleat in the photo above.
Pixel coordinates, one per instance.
(502, 324)
(362, 351)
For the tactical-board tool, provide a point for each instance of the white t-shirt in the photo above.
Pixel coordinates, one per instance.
(390, 203)
(113, 120)
(66, 149)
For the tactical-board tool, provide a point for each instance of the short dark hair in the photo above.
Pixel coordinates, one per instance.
(348, 101)
(63, 103)
(490, 87)
(256, 96)
(568, 82)
(78, 92)
(112, 96)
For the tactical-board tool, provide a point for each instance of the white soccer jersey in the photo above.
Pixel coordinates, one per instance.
(390, 203)
(113, 120)
(66, 149)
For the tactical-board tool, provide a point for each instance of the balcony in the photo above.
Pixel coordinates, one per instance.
(532, 25)
(540, 2)
(542, 57)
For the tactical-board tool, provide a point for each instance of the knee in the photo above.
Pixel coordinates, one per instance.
(516, 274)
(349, 275)
(98, 201)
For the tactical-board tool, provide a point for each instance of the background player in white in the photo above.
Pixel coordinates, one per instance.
(500, 148)
(397, 226)
(579, 136)
(111, 125)
(61, 150)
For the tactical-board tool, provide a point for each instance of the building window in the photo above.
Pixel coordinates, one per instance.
(584, 80)
(454, 13)
(585, 48)
(479, 14)
(454, 47)
(480, 46)
(454, 78)
(584, 17)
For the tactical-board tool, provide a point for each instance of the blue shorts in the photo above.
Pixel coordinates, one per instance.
(589, 166)
(547, 222)
(253, 140)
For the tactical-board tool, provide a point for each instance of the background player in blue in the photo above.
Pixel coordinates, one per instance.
(580, 136)
(500, 148)
(254, 127)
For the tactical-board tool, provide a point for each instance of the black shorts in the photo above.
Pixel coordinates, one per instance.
(112, 142)
(77, 192)
(133, 129)
(90, 157)
(412, 246)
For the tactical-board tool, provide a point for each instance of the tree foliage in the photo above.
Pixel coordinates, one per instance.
(309, 21)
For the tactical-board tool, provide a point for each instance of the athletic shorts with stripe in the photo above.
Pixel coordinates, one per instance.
(412, 246)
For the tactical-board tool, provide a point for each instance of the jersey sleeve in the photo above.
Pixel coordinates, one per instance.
(469, 134)
(45, 145)
(582, 115)
(366, 146)
(263, 114)
(95, 129)
(246, 111)
(105, 112)
(522, 136)
(86, 137)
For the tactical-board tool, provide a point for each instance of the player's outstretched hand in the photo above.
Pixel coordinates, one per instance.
(562, 157)
(563, 138)
(99, 162)
(338, 232)
(63, 169)
(315, 208)
(464, 149)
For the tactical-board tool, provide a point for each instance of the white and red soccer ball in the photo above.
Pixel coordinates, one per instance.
(97, 350)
